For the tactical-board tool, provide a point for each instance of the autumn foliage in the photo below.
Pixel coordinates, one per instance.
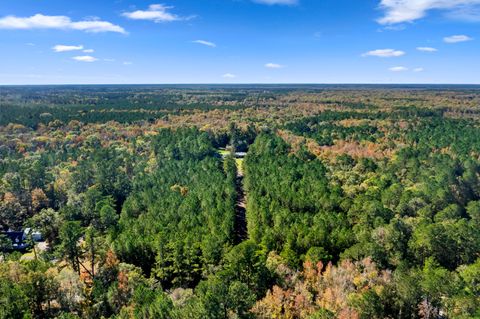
(334, 291)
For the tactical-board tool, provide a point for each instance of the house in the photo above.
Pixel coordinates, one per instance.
(19, 239)
(36, 236)
(240, 154)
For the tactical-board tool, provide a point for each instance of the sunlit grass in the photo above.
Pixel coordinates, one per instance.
(239, 162)
(224, 152)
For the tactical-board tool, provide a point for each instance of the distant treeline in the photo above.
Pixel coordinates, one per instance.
(31, 106)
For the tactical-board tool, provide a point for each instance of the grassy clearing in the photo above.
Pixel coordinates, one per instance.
(224, 153)
(239, 162)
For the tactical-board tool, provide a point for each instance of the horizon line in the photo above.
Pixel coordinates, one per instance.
(239, 84)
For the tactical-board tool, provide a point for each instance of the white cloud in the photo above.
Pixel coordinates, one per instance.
(97, 26)
(418, 70)
(399, 11)
(85, 58)
(229, 76)
(384, 53)
(398, 69)
(274, 66)
(207, 43)
(155, 12)
(40, 21)
(280, 2)
(457, 39)
(426, 49)
(66, 48)
(127, 63)
(89, 50)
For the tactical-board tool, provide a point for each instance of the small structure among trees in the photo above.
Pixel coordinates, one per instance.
(19, 240)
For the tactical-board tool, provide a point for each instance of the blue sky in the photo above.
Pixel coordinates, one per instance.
(239, 41)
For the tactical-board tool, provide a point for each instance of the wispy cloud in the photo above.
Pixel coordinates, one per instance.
(40, 21)
(457, 38)
(469, 13)
(399, 11)
(88, 51)
(207, 43)
(85, 58)
(418, 70)
(127, 63)
(157, 13)
(229, 76)
(66, 48)
(274, 66)
(426, 49)
(279, 2)
(397, 27)
(398, 69)
(384, 53)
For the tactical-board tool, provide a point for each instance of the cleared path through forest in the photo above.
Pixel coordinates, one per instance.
(240, 231)
(240, 227)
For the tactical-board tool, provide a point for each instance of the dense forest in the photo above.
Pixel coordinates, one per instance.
(239, 202)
